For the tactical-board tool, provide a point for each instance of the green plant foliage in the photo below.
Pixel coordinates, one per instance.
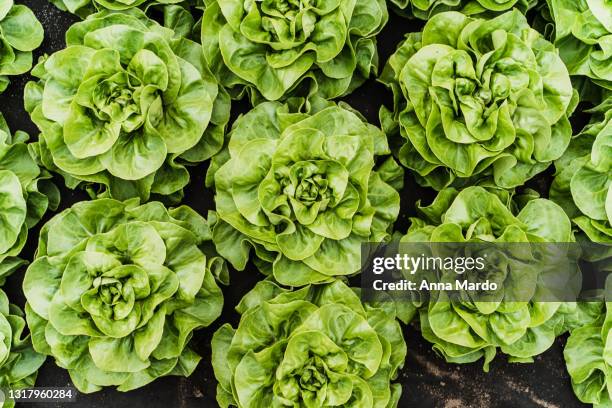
(142, 90)
(583, 183)
(583, 34)
(20, 34)
(19, 363)
(318, 346)
(26, 193)
(588, 355)
(274, 48)
(465, 331)
(477, 98)
(425, 9)
(117, 289)
(125, 107)
(303, 191)
(83, 8)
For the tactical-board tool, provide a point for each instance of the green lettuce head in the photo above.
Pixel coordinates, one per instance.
(302, 191)
(467, 330)
(125, 107)
(83, 8)
(583, 34)
(117, 289)
(425, 9)
(26, 193)
(273, 48)
(19, 363)
(20, 34)
(314, 347)
(583, 183)
(477, 98)
(588, 356)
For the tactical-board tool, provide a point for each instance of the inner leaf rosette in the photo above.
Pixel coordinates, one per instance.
(117, 289)
(315, 347)
(26, 192)
(304, 191)
(511, 318)
(125, 107)
(274, 48)
(583, 183)
(477, 98)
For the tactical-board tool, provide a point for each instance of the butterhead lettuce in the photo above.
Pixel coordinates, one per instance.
(464, 331)
(276, 48)
(117, 289)
(588, 356)
(424, 9)
(125, 107)
(583, 182)
(583, 34)
(20, 34)
(318, 346)
(19, 363)
(477, 98)
(302, 191)
(26, 193)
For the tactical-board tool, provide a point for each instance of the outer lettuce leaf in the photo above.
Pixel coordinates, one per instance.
(20, 34)
(313, 347)
(476, 98)
(302, 191)
(117, 289)
(125, 107)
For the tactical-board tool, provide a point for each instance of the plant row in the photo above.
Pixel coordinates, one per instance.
(482, 101)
